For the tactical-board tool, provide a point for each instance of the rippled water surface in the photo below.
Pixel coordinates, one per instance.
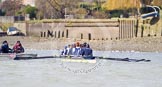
(104, 73)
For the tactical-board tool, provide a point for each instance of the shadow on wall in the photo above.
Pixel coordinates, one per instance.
(61, 34)
(56, 34)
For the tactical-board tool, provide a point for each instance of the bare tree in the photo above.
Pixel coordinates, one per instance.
(11, 6)
(60, 5)
(146, 2)
(42, 8)
(158, 3)
(54, 8)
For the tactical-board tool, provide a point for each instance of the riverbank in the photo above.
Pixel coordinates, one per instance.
(145, 44)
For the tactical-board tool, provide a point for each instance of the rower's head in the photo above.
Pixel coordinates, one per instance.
(18, 43)
(87, 46)
(5, 42)
(69, 46)
(73, 45)
(84, 44)
(77, 44)
(65, 47)
(81, 45)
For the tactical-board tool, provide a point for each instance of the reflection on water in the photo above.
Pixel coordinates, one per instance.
(51, 72)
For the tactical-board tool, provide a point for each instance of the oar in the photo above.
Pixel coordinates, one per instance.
(26, 58)
(124, 59)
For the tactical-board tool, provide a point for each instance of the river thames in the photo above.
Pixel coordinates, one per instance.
(103, 73)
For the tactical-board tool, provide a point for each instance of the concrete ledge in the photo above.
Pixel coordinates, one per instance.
(74, 21)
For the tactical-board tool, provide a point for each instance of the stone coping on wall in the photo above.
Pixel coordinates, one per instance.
(74, 21)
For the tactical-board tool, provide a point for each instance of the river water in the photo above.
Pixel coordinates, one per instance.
(103, 73)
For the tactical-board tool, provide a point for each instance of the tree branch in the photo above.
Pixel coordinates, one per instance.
(49, 1)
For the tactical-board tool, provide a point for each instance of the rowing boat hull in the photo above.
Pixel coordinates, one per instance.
(62, 58)
(78, 59)
(7, 56)
(14, 56)
(24, 56)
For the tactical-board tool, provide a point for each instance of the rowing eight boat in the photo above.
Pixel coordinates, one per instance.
(65, 58)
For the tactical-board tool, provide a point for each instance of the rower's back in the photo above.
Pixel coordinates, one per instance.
(87, 51)
(5, 48)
